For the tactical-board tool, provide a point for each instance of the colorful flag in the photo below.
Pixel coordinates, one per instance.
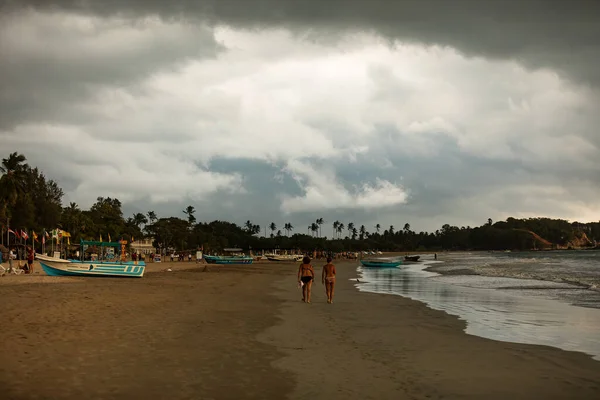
(44, 238)
(13, 232)
(109, 238)
(100, 237)
(35, 236)
(46, 234)
(24, 234)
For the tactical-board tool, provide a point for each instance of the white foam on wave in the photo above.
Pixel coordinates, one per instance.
(500, 308)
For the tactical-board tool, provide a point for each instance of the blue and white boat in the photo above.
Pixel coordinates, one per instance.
(104, 268)
(59, 267)
(381, 263)
(228, 259)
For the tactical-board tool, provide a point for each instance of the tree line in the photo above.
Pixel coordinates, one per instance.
(30, 201)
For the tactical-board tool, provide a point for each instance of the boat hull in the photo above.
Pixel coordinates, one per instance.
(93, 269)
(228, 260)
(285, 258)
(380, 264)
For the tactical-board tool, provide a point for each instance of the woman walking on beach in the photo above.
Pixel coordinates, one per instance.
(306, 275)
(328, 278)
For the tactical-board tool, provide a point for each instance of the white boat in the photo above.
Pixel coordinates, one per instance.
(58, 267)
(285, 257)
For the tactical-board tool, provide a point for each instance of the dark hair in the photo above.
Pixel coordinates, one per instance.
(328, 259)
(306, 260)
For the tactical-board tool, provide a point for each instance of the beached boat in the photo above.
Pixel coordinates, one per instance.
(228, 259)
(59, 267)
(412, 258)
(285, 257)
(380, 263)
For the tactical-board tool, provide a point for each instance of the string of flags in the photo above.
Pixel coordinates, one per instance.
(55, 234)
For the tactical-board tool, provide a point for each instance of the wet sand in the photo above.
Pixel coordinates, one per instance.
(241, 332)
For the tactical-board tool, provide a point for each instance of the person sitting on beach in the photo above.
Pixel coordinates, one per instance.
(328, 278)
(306, 275)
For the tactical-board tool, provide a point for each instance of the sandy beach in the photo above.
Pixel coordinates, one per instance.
(241, 332)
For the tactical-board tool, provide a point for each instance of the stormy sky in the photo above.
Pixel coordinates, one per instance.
(426, 112)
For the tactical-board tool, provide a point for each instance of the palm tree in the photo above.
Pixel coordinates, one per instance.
(340, 229)
(377, 227)
(391, 230)
(279, 233)
(139, 219)
(273, 228)
(354, 233)
(406, 227)
(13, 181)
(249, 227)
(189, 211)
(70, 219)
(152, 216)
(314, 227)
(335, 228)
(288, 228)
(320, 222)
(350, 228)
(363, 231)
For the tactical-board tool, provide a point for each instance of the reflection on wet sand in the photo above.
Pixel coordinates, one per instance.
(505, 315)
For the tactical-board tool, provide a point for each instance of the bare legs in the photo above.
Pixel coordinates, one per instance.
(304, 287)
(306, 290)
(329, 290)
(308, 287)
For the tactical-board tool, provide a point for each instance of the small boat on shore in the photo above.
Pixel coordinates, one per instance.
(59, 267)
(412, 258)
(228, 259)
(285, 257)
(381, 263)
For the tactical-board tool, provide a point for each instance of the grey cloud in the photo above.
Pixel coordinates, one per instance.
(51, 63)
(558, 34)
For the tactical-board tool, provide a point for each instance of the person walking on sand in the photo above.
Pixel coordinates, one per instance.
(328, 278)
(306, 275)
(30, 257)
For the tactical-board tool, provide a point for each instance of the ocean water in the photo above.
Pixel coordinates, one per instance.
(561, 308)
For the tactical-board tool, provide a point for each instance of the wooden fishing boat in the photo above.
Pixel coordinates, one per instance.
(380, 263)
(412, 258)
(59, 267)
(285, 257)
(228, 259)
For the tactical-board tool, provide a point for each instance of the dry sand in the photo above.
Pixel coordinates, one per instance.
(241, 332)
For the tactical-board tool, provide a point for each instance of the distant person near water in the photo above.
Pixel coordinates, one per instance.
(306, 275)
(328, 278)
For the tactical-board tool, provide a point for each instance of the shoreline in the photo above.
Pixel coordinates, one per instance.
(243, 329)
(381, 346)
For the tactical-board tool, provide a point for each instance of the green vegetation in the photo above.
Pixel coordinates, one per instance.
(30, 201)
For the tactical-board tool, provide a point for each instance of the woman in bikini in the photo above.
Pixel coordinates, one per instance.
(306, 275)
(328, 278)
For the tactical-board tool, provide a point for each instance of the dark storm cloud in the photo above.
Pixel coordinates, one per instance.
(52, 61)
(562, 35)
